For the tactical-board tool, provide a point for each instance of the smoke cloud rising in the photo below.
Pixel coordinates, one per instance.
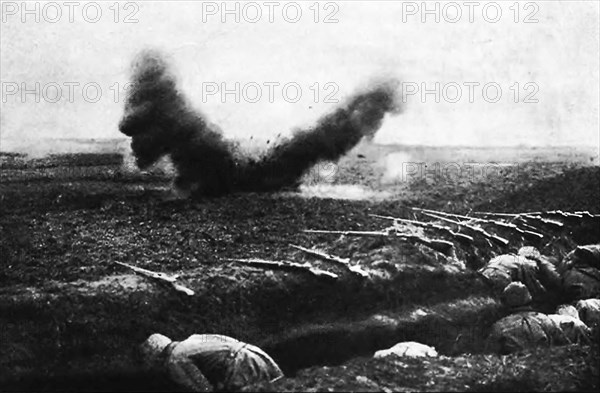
(162, 122)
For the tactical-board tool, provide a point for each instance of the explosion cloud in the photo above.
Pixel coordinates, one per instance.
(161, 122)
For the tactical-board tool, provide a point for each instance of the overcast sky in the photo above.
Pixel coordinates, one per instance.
(551, 66)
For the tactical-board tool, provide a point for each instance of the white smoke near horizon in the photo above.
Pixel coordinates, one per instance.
(350, 192)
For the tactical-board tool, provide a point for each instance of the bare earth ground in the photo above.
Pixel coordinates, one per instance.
(71, 319)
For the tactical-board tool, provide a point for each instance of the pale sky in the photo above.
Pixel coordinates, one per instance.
(554, 61)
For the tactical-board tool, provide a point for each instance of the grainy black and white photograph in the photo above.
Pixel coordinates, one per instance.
(300, 196)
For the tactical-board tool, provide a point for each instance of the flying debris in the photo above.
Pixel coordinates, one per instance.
(161, 122)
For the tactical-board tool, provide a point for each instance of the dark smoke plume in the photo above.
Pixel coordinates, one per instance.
(161, 122)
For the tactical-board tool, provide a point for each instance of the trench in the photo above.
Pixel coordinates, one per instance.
(308, 346)
(335, 343)
(326, 326)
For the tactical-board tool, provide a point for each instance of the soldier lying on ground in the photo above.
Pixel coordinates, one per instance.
(205, 362)
(580, 272)
(526, 328)
(529, 267)
(567, 318)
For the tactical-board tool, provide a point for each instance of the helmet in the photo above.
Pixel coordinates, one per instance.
(153, 347)
(567, 309)
(529, 252)
(515, 295)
